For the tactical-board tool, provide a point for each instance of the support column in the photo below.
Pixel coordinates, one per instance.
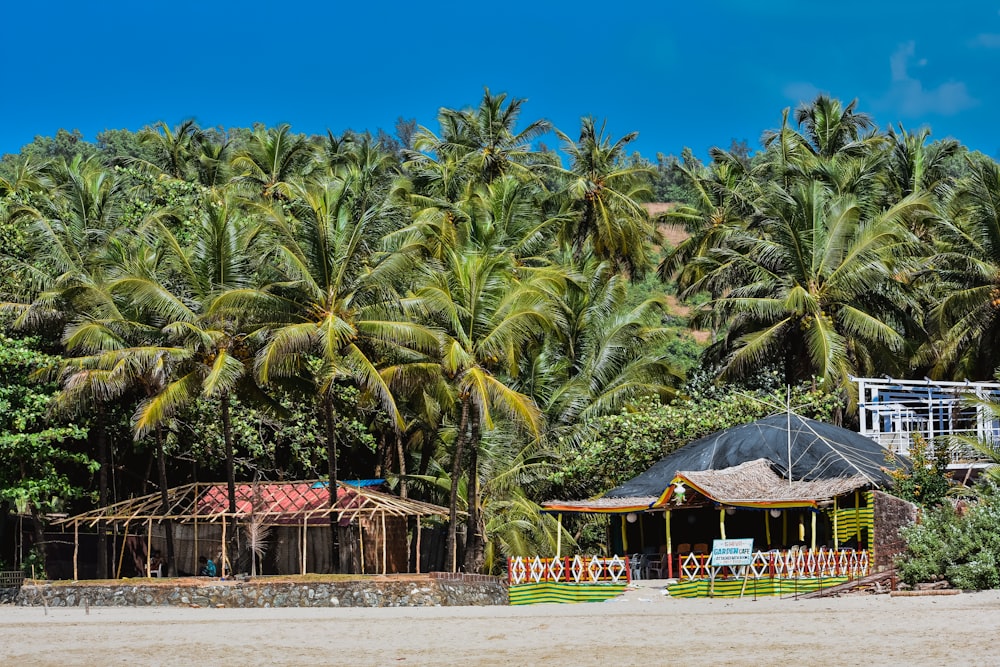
(76, 549)
(417, 559)
(559, 537)
(222, 563)
(814, 530)
(670, 546)
(722, 523)
(836, 544)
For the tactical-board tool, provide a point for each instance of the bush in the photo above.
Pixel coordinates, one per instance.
(962, 547)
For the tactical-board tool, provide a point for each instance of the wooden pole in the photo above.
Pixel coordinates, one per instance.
(305, 529)
(857, 517)
(385, 553)
(149, 545)
(76, 549)
(814, 530)
(222, 564)
(784, 528)
(196, 528)
(670, 546)
(559, 537)
(722, 524)
(121, 557)
(418, 544)
(767, 527)
(836, 544)
(361, 543)
(802, 528)
(624, 536)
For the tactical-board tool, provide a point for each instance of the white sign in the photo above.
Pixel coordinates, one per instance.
(732, 552)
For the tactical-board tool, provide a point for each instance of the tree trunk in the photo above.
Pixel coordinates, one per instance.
(331, 460)
(168, 525)
(227, 432)
(456, 473)
(401, 455)
(101, 438)
(474, 544)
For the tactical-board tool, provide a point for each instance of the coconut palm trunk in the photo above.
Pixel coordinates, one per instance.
(168, 525)
(331, 460)
(101, 441)
(474, 539)
(456, 473)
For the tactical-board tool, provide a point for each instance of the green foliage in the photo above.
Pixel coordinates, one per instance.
(962, 547)
(928, 482)
(36, 452)
(626, 444)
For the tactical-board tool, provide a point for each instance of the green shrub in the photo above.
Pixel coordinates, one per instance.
(961, 547)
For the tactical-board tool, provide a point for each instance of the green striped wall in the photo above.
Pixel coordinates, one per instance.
(563, 592)
(730, 588)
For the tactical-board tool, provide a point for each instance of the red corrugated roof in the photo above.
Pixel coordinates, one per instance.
(281, 502)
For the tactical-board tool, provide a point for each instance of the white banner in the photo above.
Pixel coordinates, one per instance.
(732, 552)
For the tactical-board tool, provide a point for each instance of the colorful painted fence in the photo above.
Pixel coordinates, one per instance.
(569, 579)
(734, 588)
(791, 564)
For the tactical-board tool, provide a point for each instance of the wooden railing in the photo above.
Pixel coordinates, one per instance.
(793, 564)
(569, 569)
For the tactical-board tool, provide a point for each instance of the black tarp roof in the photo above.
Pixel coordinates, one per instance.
(818, 451)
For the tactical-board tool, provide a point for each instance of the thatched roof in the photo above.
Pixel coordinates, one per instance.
(277, 503)
(756, 484)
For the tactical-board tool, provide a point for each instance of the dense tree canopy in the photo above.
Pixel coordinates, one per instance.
(464, 311)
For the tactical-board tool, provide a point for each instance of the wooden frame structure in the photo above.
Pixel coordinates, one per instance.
(301, 504)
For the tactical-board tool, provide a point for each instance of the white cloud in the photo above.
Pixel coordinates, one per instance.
(987, 40)
(907, 94)
(800, 91)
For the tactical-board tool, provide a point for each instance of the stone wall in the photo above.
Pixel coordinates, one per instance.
(890, 514)
(434, 590)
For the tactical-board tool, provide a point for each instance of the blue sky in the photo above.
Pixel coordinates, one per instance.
(694, 74)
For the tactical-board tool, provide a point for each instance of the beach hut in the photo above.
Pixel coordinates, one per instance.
(809, 494)
(290, 521)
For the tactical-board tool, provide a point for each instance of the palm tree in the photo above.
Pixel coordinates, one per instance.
(331, 301)
(178, 293)
(488, 311)
(814, 286)
(964, 274)
(175, 148)
(75, 230)
(483, 140)
(606, 356)
(272, 159)
(606, 193)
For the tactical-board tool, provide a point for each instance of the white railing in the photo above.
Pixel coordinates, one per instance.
(575, 569)
(791, 564)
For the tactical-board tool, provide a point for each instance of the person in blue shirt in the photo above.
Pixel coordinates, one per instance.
(206, 568)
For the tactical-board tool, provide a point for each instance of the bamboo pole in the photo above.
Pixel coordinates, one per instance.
(222, 563)
(722, 523)
(559, 537)
(121, 557)
(670, 546)
(305, 528)
(385, 553)
(624, 536)
(835, 512)
(857, 517)
(814, 530)
(76, 549)
(802, 528)
(361, 544)
(149, 545)
(418, 544)
(196, 528)
(767, 527)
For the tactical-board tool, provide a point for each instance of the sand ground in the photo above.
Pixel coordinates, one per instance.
(643, 627)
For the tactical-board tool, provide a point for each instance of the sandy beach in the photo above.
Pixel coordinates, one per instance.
(643, 627)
